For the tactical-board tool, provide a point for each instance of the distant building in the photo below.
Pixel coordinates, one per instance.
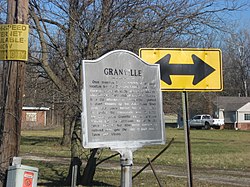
(171, 120)
(34, 117)
(235, 111)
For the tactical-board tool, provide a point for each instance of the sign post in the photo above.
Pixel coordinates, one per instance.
(126, 161)
(122, 106)
(187, 138)
(187, 70)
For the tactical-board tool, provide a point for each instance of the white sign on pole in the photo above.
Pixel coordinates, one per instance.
(122, 102)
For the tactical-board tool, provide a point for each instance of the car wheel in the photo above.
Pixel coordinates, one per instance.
(207, 126)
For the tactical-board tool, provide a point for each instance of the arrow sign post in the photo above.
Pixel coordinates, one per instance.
(187, 69)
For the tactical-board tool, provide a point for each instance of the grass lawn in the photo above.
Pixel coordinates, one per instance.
(211, 149)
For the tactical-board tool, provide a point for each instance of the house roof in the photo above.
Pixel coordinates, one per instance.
(231, 103)
(245, 108)
(35, 108)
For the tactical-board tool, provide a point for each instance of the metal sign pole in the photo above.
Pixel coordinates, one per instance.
(126, 176)
(126, 161)
(187, 138)
(126, 168)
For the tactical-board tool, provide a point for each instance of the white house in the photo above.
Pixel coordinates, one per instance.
(243, 117)
(235, 110)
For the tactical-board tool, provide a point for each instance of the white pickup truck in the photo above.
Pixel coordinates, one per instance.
(205, 121)
(201, 121)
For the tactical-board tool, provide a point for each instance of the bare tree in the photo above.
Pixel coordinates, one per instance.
(237, 64)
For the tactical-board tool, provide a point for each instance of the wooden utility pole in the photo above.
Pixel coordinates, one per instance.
(12, 95)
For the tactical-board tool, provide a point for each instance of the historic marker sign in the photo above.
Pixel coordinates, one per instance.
(122, 103)
(14, 42)
(187, 69)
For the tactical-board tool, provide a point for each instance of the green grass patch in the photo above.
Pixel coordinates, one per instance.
(218, 149)
(43, 143)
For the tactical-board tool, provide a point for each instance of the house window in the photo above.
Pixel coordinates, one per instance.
(30, 116)
(246, 116)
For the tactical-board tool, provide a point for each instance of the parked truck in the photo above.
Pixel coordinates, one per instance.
(205, 121)
(201, 121)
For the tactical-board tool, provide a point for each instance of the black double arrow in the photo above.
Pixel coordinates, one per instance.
(199, 69)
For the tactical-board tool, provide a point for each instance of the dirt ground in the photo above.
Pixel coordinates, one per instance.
(217, 176)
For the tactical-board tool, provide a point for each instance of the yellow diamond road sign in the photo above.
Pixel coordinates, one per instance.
(187, 69)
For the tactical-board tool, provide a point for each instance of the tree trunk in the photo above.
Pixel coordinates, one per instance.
(76, 151)
(75, 146)
(209, 104)
(67, 130)
(89, 170)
